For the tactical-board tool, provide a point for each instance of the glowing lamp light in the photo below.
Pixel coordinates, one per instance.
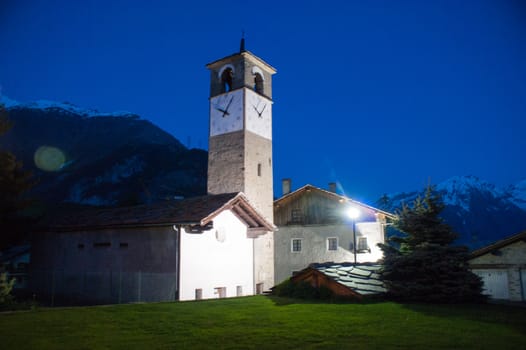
(353, 213)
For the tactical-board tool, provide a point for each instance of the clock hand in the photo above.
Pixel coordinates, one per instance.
(223, 111)
(229, 102)
(226, 108)
(262, 110)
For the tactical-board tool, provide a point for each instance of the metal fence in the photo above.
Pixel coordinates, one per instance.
(61, 287)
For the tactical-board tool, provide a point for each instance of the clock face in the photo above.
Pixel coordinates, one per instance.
(258, 110)
(226, 113)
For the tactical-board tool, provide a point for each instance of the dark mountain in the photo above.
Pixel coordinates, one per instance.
(477, 210)
(87, 157)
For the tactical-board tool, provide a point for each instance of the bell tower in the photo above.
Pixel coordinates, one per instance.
(240, 143)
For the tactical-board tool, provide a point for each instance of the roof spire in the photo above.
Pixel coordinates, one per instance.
(242, 44)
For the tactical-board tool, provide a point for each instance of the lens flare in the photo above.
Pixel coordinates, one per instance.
(49, 158)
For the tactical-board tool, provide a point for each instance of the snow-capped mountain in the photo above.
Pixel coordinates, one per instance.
(84, 156)
(479, 211)
(517, 194)
(60, 107)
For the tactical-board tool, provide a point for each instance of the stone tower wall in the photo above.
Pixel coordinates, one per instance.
(241, 161)
(226, 163)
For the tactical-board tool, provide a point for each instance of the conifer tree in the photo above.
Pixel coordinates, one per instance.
(422, 264)
(14, 182)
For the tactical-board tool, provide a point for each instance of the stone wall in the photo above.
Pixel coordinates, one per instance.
(105, 266)
(314, 246)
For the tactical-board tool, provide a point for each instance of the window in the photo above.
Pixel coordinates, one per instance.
(259, 169)
(295, 245)
(296, 216)
(220, 291)
(80, 246)
(198, 294)
(123, 245)
(221, 234)
(239, 291)
(363, 247)
(102, 244)
(226, 79)
(258, 83)
(332, 243)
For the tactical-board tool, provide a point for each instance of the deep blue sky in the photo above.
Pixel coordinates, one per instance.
(379, 96)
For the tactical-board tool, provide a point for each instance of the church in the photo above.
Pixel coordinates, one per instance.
(214, 246)
(223, 244)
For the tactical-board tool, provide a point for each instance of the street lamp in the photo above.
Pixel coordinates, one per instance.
(353, 213)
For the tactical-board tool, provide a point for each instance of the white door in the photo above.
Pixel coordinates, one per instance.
(495, 283)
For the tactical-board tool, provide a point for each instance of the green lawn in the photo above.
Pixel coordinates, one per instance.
(266, 323)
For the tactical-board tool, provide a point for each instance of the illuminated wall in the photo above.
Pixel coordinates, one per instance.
(314, 247)
(218, 258)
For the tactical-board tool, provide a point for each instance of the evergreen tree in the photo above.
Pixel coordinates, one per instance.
(14, 182)
(421, 264)
(384, 203)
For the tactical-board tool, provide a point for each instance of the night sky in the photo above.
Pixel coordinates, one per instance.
(378, 96)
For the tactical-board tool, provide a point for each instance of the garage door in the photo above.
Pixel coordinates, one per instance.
(495, 283)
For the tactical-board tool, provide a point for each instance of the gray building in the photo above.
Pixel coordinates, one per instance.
(502, 268)
(314, 226)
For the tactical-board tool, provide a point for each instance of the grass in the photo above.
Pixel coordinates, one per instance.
(266, 323)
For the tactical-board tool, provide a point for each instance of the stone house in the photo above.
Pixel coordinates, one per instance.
(502, 267)
(196, 248)
(314, 227)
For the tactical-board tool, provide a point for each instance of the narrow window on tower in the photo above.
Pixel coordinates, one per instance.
(226, 79)
(258, 83)
(259, 169)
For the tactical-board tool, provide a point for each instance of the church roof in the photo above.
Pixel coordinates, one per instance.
(194, 212)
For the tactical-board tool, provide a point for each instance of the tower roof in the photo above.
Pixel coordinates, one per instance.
(243, 52)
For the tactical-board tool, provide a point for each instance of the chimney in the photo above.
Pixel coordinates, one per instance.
(285, 186)
(332, 187)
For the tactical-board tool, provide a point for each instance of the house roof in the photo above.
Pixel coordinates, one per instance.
(499, 244)
(363, 279)
(330, 195)
(196, 211)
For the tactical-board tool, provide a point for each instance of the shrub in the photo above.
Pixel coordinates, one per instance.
(6, 286)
